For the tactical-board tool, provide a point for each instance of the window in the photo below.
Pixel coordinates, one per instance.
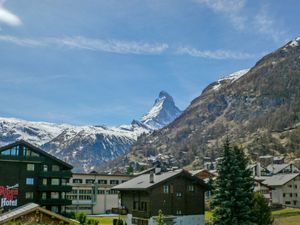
(85, 197)
(45, 168)
(29, 181)
(296, 194)
(295, 202)
(178, 212)
(85, 191)
(296, 186)
(135, 205)
(64, 181)
(74, 192)
(89, 181)
(290, 185)
(191, 188)
(291, 194)
(123, 181)
(5, 152)
(54, 195)
(102, 181)
(54, 209)
(114, 182)
(28, 152)
(34, 154)
(63, 195)
(283, 194)
(77, 181)
(45, 181)
(287, 202)
(55, 168)
(143, 206)
(14, 151)
(166, 189)
(179, 194)
(54, 181)
(44, 195)
(30, 167)
(29, 195)
(101, 192)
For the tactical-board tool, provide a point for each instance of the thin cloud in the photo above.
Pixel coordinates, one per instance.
(122, 47)
(265, 25)
(217, 54)
(236, 12)
(112, 46)
(7, 17)
(230, 8)
(21, 41)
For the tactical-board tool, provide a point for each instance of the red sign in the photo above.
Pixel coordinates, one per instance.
(8, 195)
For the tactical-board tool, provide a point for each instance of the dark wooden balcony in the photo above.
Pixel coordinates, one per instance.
(64, 188)
(56, 174)
(55, 202)
(141, 214)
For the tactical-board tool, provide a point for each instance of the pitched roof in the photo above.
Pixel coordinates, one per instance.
(276, 168)
(142, 182)
(22, 210)
(279, 179)
(195, 172)
(36, 149)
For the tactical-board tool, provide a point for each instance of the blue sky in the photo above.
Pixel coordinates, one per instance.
(104, 62)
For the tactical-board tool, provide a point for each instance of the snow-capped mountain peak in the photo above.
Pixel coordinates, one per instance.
(87, 147)
(162, 112)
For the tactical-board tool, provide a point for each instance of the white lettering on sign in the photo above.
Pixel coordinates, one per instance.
(5, 202)
(9, 195)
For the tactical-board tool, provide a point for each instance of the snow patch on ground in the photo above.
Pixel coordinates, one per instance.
(231, 78)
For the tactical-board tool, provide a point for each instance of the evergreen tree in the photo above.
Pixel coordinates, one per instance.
(261, 210)
(160, 218)
(233, 188)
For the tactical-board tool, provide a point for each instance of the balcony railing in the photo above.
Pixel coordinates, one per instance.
(58, 174)
(65, 188)
(142, 214)
(55, 202)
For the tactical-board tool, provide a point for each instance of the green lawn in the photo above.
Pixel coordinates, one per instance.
(288, 216)
(105, 220)
(286, 212)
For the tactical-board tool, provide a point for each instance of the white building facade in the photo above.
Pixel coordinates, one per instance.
(92, 194)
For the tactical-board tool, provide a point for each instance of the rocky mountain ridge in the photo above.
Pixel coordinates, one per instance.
(257, 108)
(85, 147)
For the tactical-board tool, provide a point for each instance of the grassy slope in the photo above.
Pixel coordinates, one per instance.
(105, 220)
(286, 216)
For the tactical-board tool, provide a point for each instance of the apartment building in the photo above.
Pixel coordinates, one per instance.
(92, 192)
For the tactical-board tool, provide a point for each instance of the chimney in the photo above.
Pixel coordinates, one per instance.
(151, 177)
(157, 170)
(258, 169)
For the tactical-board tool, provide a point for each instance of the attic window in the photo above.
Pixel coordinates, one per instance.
(14, 151)
(28, 152)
